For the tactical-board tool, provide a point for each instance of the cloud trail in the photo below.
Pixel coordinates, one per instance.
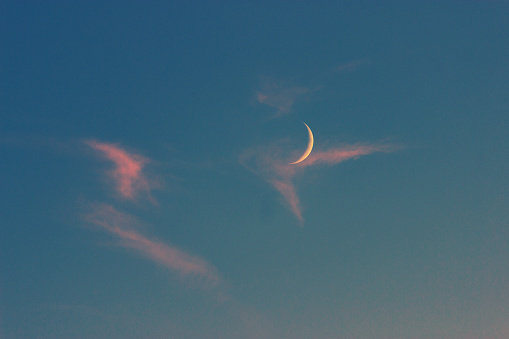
(287, 190)
(270, 165)
(122, 226)
(337, 155)
(128, 169)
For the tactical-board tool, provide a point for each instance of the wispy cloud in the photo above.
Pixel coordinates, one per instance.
(279, 95)
(128, 169)
(351, 66)
(287, 190)
(123, 227)
(282, 95)
(270, 164)
(336, 155)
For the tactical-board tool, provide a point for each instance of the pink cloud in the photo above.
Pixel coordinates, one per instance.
(337, 155)
(122, 226)
(278, 95)
(128, 169)
(269, 164)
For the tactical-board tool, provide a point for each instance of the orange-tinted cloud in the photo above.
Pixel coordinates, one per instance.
(270, 164)
(123, 227)
(128, 169)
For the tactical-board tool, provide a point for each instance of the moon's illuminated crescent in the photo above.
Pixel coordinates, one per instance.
(308, 150)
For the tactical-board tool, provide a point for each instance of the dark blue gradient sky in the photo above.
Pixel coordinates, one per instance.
(145, 190)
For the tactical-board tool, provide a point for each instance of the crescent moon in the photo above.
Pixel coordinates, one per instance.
(308, 149)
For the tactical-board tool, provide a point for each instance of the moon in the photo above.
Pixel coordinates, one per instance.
(308, 149)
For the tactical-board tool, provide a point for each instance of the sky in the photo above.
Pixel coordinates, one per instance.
(147, 188)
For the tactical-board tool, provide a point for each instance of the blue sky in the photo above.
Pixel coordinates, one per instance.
(146, 189)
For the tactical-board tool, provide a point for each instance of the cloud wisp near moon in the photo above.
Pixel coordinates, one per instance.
(267, 162)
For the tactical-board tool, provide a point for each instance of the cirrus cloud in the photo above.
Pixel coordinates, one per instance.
(270, 164)
(127, 173)
(124, 228)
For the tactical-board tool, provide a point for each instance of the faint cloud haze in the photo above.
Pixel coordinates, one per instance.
(351, 66)
(270, 164)
(123, 227)
(283, 95)
(279, 95)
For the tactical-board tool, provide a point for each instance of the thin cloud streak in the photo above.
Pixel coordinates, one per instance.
(351, 66)
(287, 190)
(268, 164)
(337, 155)
(128, 169)
(122, 226)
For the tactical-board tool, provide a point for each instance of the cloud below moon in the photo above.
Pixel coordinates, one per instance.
(267, 163)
